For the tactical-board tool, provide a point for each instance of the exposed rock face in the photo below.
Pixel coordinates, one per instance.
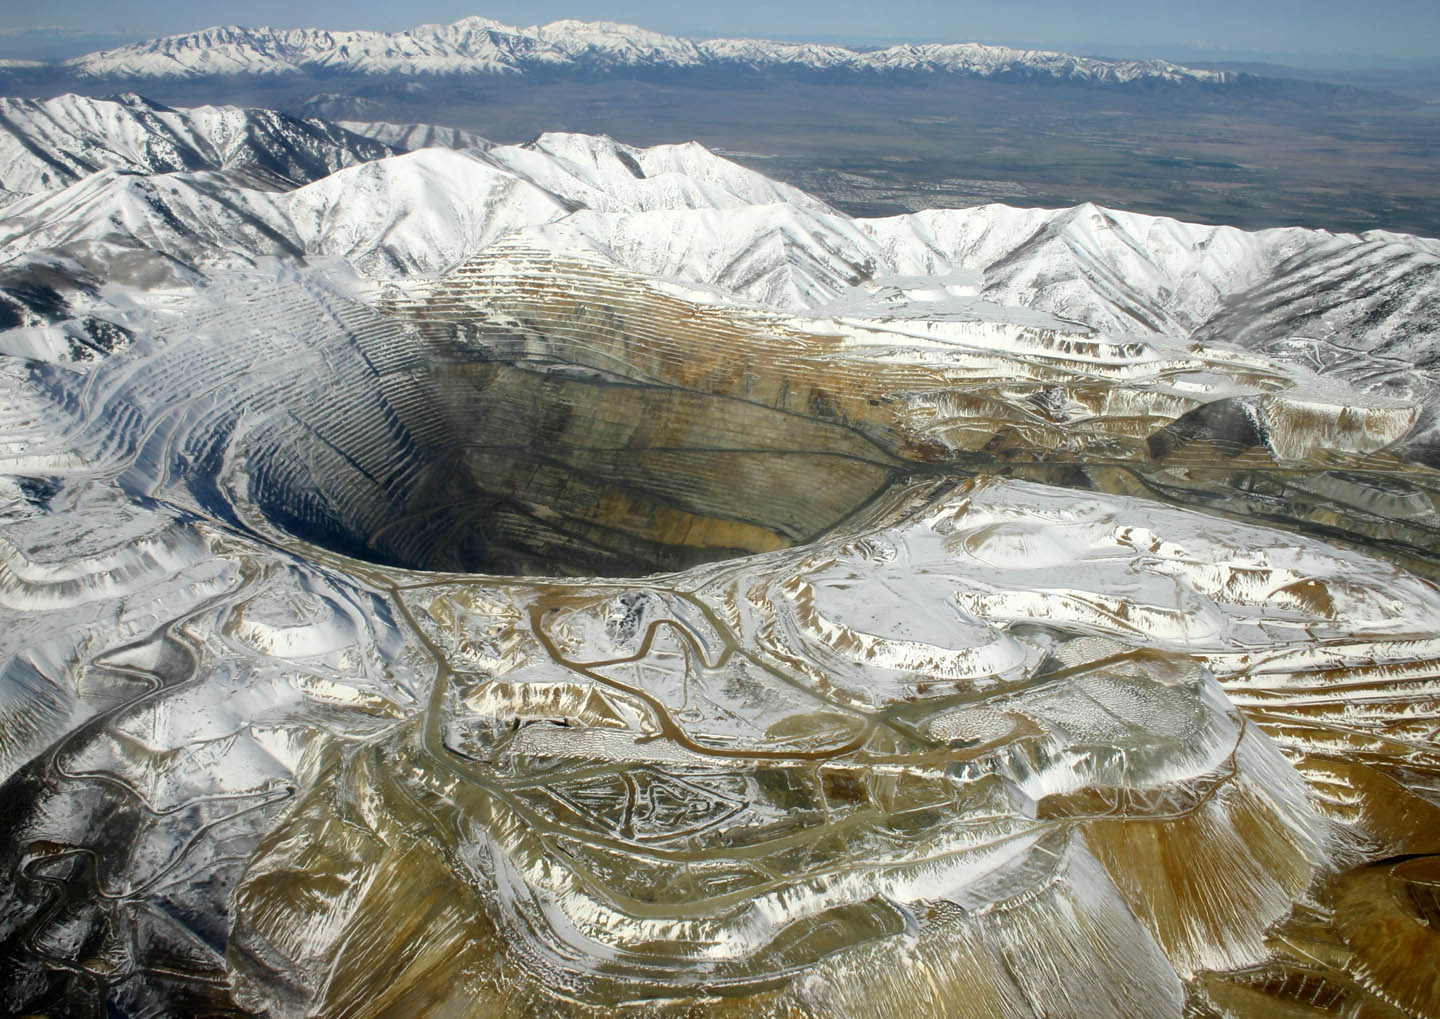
(549, 636)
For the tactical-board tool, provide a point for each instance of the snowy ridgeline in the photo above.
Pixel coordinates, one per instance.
(482, 46)
(129, 188)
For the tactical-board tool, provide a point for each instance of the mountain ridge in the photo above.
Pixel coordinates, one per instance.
(45, 144)
(1360, 305)
(479, 45)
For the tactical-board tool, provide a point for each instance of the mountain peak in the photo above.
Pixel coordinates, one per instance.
(483, 46)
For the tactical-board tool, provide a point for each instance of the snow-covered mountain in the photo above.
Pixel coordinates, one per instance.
(165, 206)
(464, 577)
(481, 46)
(158, 186)
(46, 144)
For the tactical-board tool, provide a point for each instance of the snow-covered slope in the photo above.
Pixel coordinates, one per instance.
(599, 173)
(883, 558)
(47, 144)
(409, 137)
(197, 218)
(418, 212)
(481, 46)
(1119, 273)
(1362, 306)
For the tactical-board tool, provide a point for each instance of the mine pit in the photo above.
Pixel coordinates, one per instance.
(547, 439)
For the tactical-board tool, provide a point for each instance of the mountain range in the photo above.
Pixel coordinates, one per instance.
(872, 131)
(481, 46)
(105, 192)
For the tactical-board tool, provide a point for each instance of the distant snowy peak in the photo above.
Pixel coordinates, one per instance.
(483, 46)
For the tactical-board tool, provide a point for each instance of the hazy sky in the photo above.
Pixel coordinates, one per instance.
(1389, 29)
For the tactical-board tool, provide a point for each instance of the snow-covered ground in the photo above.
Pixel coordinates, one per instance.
(945, 591)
